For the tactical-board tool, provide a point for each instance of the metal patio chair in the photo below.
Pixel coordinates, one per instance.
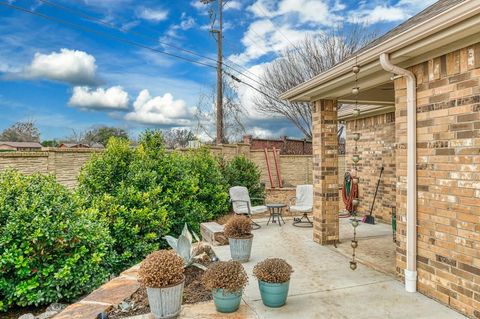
(242, 205)
(302, 203)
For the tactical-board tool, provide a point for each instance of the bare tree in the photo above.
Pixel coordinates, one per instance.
(178, 137)
(233, 113)
(21, 132)
(310, 57)
(101, 134)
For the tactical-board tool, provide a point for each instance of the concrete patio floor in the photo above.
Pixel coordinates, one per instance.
(322, 285)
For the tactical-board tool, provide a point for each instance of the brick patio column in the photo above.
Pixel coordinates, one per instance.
(325, 172)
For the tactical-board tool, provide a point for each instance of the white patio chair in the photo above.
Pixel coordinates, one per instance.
(242, 205)
(302, 203)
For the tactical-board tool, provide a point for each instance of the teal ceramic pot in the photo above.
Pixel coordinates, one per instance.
(226, 302)
(273, 295)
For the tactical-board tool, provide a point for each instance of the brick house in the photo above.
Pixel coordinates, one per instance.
(73, 145)
(287, 146)
(20, 146)
(422, 80)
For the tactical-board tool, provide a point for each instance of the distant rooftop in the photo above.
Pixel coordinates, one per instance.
(22, 144)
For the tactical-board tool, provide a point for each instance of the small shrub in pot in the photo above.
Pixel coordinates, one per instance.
(162, 274)
(226, 279)
(238, 230)
(273, 276)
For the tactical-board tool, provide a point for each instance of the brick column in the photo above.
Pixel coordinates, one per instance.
(325, 172)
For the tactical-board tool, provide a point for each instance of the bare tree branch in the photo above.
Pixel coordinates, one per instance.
(300, 63)
(233, 113)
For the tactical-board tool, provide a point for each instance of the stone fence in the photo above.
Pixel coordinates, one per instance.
(65, 164)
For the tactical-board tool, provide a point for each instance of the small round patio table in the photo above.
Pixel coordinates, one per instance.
(276, 211)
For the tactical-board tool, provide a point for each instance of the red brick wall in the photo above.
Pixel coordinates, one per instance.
(285, 145)
(448, 168)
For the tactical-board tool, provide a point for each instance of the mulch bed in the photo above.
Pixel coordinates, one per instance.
(14, 313)
(194, 292)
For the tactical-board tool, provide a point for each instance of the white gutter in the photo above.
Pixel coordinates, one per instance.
(411, 271)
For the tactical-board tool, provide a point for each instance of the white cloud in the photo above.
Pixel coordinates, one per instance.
(154, 15)
(186, 22)
(114, 98)
(233, 5)
(319, 12)
(379, 14)
(369, 13)
(260, 132)
(71, 66)
(262, 38)
(159, 110)
(316, 11)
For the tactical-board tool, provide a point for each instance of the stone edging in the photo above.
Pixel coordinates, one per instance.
(105, 297)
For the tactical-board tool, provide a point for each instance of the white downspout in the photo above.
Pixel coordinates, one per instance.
(411, 271)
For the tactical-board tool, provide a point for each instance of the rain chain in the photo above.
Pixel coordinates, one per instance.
(355, 159)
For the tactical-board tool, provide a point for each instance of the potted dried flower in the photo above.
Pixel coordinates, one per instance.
(162, 274)
(273, 276)
(226, 279)
(238, 230)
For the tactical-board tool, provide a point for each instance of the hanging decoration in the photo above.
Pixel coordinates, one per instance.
(355, 159)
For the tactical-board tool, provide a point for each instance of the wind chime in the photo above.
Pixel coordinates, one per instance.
(355, 160)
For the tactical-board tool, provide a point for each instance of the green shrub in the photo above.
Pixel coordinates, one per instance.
(240, 171)
(212, 194)
(49, 250)
(158, 193)
(104, 173)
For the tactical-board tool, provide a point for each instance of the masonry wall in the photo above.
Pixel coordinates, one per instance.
(65, 164)
(448, 168)
(376, 148)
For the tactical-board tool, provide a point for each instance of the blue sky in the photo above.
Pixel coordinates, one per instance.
(65, 78)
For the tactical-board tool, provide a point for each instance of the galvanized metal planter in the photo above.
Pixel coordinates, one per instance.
(274, 295)
(226, 302)
(166, 302)
(240, 248)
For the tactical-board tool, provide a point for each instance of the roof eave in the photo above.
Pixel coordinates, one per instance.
(437, 26)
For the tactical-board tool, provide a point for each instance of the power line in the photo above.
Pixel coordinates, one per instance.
(122, 29)
(252, 87)
(112, 37)
(112, 26)
(136, 44)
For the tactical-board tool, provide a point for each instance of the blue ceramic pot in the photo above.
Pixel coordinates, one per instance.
(226, 302)
(274, 295)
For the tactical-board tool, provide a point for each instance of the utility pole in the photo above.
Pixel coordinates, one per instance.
(219, 73)
(218, 33)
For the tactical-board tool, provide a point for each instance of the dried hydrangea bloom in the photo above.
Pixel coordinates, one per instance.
(161, 269)
(273, 270)
(227, 275)
(238, 227)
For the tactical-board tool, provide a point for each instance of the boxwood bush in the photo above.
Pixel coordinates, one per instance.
(240, 171)
(149, 192)
(49, 250)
